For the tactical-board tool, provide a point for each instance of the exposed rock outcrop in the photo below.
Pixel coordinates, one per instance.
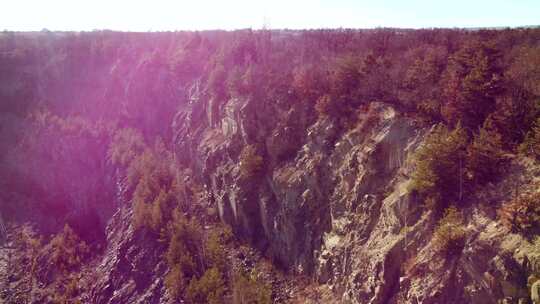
(339, 207)
(131, 269)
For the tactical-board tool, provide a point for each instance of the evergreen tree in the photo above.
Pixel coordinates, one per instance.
(472, 82)
(531, 144)
(440, 166)
(485, 156)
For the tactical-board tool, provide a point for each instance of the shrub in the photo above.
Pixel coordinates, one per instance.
(250, 162)
(471, 84)
(157, 164)
(250, 289)
(141, 212)
(309, 82)
(485, 157)
(334, 107)
(152, 215)
(156, 182)
(215, 255)
(183, 253)
(126, 145)
(531, 143)
(440, 164)
(30, 245)
(158, 195)
(68, 250)
(197, 274)
(514, 118)
(210, 288)
(419, 87)
(139, 167)
(184, 239)
(27, 240)
(347, 75)
(449, 235)
(525, 68)
(72, 288)
(145, 212)
(175, 281)
(521, 214)
(226, 234)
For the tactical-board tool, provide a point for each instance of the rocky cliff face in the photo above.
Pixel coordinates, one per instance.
(131, 269)
(330, 199)
(329, 202)
(340, 209)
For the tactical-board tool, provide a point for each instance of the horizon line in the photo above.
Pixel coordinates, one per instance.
(501, 27)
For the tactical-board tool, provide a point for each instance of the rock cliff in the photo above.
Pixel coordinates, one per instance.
(340, 209)
(309, 156)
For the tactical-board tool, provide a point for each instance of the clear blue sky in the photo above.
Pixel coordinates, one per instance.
(137, 15)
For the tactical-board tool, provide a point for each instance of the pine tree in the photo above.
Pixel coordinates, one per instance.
(472, 82)
(531, 144)
(485, 156)
(439, 174)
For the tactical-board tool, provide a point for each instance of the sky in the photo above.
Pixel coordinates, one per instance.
(164, 15)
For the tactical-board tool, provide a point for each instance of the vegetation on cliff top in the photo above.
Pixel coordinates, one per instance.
(81, 110)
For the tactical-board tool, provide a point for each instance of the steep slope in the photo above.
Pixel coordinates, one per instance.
(342, 210)
(124, 152)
